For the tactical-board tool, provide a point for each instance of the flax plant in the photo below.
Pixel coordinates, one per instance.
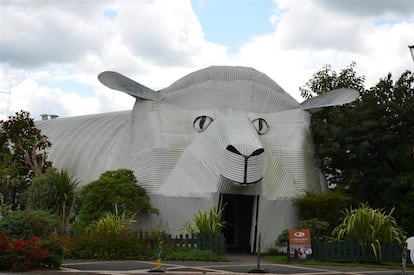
(370, 227)
(112, 223)
(206, 222)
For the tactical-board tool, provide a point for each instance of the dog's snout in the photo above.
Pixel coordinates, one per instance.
(233, 149)
(257, 152)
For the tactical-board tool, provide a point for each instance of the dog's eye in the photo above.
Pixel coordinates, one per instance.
(260, 125)
(201, 123)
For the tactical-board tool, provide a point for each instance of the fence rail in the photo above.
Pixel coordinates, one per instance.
(215, 242)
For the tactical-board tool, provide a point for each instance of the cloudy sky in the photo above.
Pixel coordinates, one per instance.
(51, 51)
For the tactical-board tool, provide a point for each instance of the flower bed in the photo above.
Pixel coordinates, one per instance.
(33, 253)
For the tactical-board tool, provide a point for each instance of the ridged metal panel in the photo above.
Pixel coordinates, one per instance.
(255, 171)
(190, 178)
(277, 182)
(153, 166)
(226, 186)
(84, 145)
(274, 217)
(331, 98)
(234, 168)
(235, 87)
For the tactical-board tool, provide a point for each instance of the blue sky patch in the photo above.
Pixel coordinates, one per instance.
(110, 14)
(69, 86)
(232, 23)
(382, 21)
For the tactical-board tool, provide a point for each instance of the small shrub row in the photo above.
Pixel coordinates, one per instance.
(131, 246)
(115, 245)
(23, 224)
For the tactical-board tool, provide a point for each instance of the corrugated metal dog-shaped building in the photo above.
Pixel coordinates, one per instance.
(219, 136)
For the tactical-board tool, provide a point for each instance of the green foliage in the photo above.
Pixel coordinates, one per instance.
(318, 228)
(112, 245)
(366, 147)
(326, 206)
(370, 227)
(278, 259)
(40, 194)
(53, 191)
(283, 238)
(119, 188)
(327, 79)
(23, 255)
(206, 222)
(23, 153)
(194, 255)
(55, 248)
(111, 223)
(111, 237)
(27, 223)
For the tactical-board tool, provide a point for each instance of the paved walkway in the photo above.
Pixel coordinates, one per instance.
(238, 264)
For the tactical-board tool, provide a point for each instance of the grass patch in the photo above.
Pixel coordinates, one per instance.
(194, 255)
(279, 259)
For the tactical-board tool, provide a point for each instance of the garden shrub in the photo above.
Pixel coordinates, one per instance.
(371, 228)
(206, 222)
(326, 206)
(55, 245)
(32, 253)
(115, 245)
(21, 225)
(119, 187)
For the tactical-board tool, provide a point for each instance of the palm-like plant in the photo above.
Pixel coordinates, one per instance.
(370, 227)
(53, 191)
(65, 197)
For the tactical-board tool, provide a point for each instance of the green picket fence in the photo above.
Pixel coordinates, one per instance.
(215, 242)
(350, 250)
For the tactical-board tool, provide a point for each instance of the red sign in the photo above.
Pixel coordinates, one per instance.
(300, 245)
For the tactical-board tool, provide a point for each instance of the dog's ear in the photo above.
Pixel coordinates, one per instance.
(124, 84)
(331, 98)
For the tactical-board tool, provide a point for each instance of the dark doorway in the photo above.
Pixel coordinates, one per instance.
(238, 213)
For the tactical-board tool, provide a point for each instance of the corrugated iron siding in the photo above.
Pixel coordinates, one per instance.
(87, 145)
(239, 88)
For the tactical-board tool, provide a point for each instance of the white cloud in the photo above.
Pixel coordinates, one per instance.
(157, 42)
(34, 35)
(310, 35)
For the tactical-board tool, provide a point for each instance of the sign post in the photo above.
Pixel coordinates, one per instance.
(300, 245)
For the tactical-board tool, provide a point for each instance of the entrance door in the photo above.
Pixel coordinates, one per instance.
(237, 214)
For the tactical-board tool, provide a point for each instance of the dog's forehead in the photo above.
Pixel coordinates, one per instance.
(238, 88)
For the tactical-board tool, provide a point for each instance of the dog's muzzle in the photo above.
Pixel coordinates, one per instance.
(242, 169)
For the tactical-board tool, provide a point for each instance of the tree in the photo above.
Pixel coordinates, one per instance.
(53, 191)
(331, 127)
(23, 153)
(118, 189)
(324, 207)
(370, 227)
(366, 148)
